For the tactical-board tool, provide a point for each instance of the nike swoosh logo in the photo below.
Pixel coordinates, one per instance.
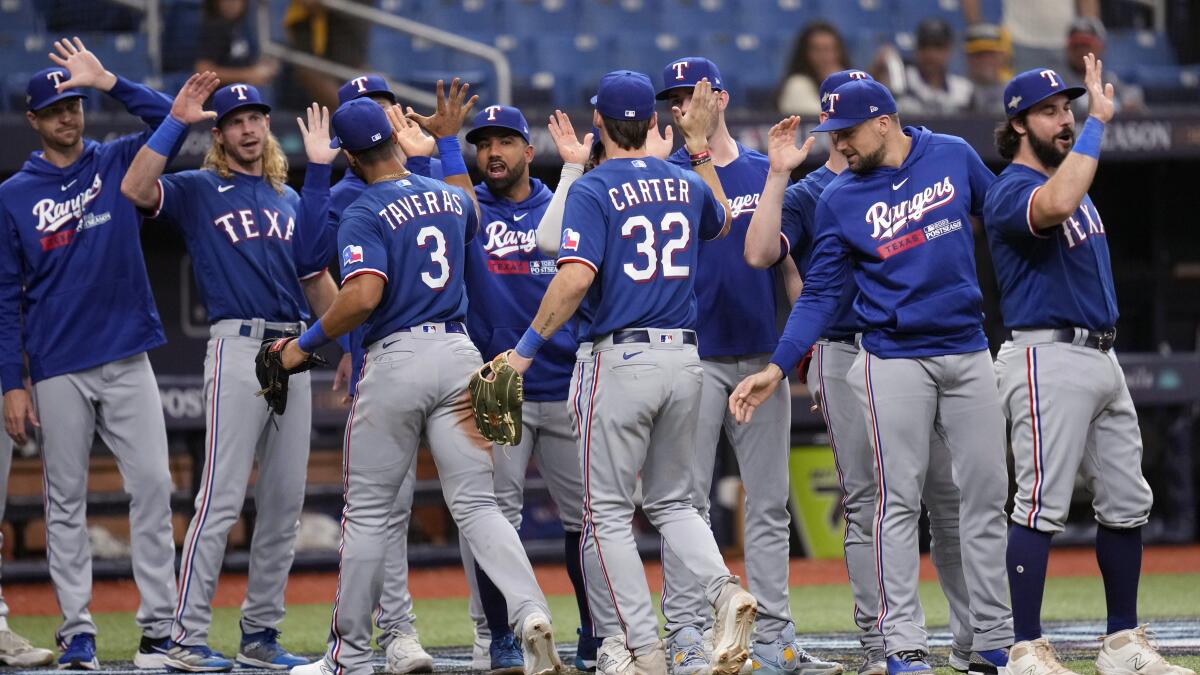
(68, 185)
(629, 355)
(519, 218)
(225, 188)
(897, 186)
(389, 344)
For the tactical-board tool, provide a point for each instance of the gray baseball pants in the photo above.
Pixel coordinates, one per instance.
(762, 448)
(382, 436)
(120, 401)
(240, 430)
(909, 403)
(395, 613)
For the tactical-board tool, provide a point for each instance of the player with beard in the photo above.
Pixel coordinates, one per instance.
(506, 277)
(1060, 384)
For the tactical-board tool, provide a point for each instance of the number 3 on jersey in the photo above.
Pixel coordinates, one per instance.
(646, 247)
(438, 255)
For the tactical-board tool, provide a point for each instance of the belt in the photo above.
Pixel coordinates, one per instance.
(449, 327)
(247, 330)
(1096, 339)
(850, 339)
(624, 337)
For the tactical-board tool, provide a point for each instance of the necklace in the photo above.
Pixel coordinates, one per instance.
(392, 176)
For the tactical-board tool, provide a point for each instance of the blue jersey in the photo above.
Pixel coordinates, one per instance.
(798, 229)
(506, 277)
(239, 233)
(1055, 278)
(73, 287)
(635, 222)
(906, 232)
(412, 233)
(736, 301)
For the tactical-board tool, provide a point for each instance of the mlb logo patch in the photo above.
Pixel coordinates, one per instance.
(428, 329)
(638, 164)
(570, 240)
(666, 338)
(352, 254)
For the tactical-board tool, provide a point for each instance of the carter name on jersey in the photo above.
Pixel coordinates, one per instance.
(649, 190)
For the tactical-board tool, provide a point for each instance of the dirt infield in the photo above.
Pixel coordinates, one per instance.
(448, 582)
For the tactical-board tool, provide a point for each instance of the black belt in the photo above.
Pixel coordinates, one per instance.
(268, 333)
(1096, 339)
(624, 337)
(851, 339)
(451, 327)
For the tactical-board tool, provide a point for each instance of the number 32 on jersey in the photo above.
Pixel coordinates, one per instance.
(657, 244)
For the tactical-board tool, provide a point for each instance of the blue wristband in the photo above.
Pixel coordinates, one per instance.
(530, 343)
(344, 343)
(1089, 139)
(313, 339)
(452, 157)
(166, 136)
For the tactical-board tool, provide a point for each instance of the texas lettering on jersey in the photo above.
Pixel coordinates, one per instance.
(1073, 230)
(242, 222)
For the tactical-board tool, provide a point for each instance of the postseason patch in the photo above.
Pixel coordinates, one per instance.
(351, 255)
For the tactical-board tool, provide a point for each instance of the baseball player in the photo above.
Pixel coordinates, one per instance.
(395, 617)
(403, 247)
(71, 267)
(238, 219)
(900, 218)
(628, 227)
(783, 224)
(506, 277)
(736, 328)
(1060, 384)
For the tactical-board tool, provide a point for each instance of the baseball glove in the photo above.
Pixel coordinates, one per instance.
(497, 392)
(273, 377)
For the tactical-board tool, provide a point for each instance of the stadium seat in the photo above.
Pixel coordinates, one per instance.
(1127, 48)
(571, 65)
(1169, 85)
(701, 15)
(909, 13)
(528, 18)
(478, 16)
(611, 17)
(775, 16)
(863, 15)
(19, 15)
(181, 31)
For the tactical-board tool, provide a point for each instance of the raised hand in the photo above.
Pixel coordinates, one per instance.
(660, 144)
(452, 110)
(189, 102)
(752, 391)
(569, 148)
(413, 141)
(1100, 95)
(84, 68)
(316, 135)
(700, 115)
(781, 146)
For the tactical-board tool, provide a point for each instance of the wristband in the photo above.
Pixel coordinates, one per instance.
(452, 157)
(313, 339)
(700, 162)
(344, 343)
(530, 343)
(166, 136)
(700, 156)
(1090, 138)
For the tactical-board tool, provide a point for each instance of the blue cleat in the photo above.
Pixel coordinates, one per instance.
(990, 662)
(911, 662)
(262, 650)
(80, 654)
(507, 658)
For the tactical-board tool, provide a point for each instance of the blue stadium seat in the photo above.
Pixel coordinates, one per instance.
(538, 17)
(1169, 85)
(701, 15)
(874, 15)
(748, 62)
(650, 52)
(181, 31)
(478, 16)
(19, 15)
(572, 64)
(392, 53)
(1126, 48)
(774, 16)
(612, 17)
(909, 13)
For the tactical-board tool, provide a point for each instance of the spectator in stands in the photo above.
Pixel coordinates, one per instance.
(929, 87)
(1087, 35)
(989, 64)
(229, 46)
(1036, 27)
(327, 34)
(819, 51)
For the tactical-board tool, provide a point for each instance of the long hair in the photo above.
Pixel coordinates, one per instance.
(798, 63)
(275, 164)
(1008, 141)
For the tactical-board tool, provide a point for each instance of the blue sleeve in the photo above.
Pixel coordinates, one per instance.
(583, 233)
(364, 250)
(11, 351)
(421, 166)
(980, 178)
(472, 218)
(1007, 207)
(309, 242)
(712, 214)
(794, 226)
(150, 105)
(822, 292)
(173, 198)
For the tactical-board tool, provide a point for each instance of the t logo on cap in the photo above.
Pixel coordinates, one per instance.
(56, 76)
(361, 83)
(679, 67)
(833, 98)
(1050, 75)
(491, 112)
(858, 75)
(241, 91)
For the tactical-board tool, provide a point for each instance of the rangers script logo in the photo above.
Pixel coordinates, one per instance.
(52, 215)
(501, 241)
(887, 220)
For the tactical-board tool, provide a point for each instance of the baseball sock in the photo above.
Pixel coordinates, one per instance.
(1119, 553)
(1026, 558)
(575, 572)
(495, 608)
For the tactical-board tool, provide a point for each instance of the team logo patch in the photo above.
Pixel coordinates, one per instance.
(570, 240)
(352, 254)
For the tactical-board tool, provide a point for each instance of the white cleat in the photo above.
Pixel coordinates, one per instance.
(405, 655)
(732, 628)
(481, 652)
(653, 662)
(1133, 652)
(1035, 657)
(318, 667)
(17, 651)
(614, 658)
(537, 643)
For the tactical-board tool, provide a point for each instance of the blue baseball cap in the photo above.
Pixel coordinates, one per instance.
(856, 102)
(1034, 86)
(235, 97)
(365, 85)
(625, 95)
(498, 117)
(838, 79)
(43, 91)
(686, 72)
(359, 124)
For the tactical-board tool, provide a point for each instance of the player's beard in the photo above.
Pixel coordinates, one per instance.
(501, 186)
(868, 163)
(1048, 152)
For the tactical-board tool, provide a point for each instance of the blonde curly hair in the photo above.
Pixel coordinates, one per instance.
(275, 164)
